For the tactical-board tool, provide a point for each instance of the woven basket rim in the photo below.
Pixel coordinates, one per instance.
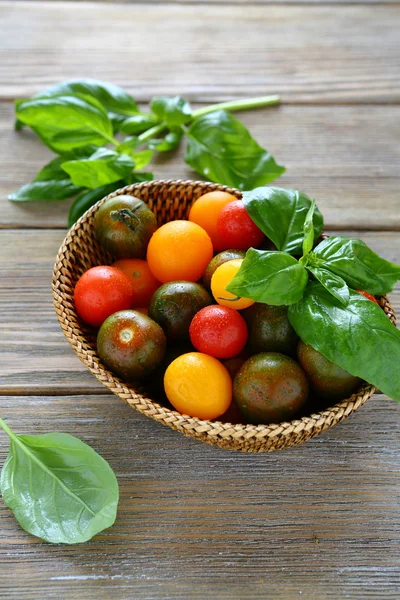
(151, 407)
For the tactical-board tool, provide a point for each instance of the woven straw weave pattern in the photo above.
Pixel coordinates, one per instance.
(80, 250)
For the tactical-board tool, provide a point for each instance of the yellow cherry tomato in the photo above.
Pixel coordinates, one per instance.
(198, 385)
(221, 279)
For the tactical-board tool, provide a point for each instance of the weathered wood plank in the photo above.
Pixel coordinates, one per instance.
(305, 53)
(34, 355)
(346, 157)
(318, 521)
(230, 2)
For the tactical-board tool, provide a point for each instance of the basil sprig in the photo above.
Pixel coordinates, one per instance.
(58, 487)
(319, 286)
(84, 115)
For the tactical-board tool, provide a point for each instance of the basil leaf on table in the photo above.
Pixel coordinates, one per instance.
(359, 337)
(142, 158)
(58, 487)
(170, 142)
(173, 111)
(86, 200)
(269, 277)
(333, 283)
(281, 214)
(112, 97)
(137, 124)
(221, 149)
(66, 122)
(358, 265)
(103, 167)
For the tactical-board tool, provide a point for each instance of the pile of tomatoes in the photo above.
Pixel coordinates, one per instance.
(166, 318)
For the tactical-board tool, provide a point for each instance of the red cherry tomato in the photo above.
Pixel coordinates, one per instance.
(369, 296)
(236, 229)
(219, 331)
(100, 292)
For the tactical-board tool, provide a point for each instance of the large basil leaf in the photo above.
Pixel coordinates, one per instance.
(269, 277)
(281, 213)
(333, 283)
(86, 200)
(359, 337)
(221, 149)
(358, 265)
(103, 167)
(58, 488)
(66, 122)
(142, 158)
(172, 111)
(112, 97)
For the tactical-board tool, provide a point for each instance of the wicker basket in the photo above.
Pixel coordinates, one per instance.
(80, 250)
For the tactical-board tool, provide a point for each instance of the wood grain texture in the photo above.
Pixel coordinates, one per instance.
(319, 521)
(305, 53)
(35, 356)
(230, 2)
(346, 157)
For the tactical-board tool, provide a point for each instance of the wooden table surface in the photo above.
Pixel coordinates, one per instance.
(318, 521)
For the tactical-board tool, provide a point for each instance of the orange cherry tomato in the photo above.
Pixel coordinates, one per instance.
(369, 296)
(143, 280)
(198, 385)
(221, 279)
(179, 250)
(205, 212)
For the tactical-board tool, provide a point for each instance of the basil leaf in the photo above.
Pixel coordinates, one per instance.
(170, 142)
(112, 97)
(269, 277)
(358, 265)
(358, 338)
(173, 111)
(333, 283)
(45, 191)
(129, 145)
(58, 488)
(103, 167)
(221, 149)
(142, 158)
(137, 124)
(86, 200)
(308, 230)
(66, 122)
(281, 214)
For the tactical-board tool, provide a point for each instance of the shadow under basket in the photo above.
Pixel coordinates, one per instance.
(170, 200)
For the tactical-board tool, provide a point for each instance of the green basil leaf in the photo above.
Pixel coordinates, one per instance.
(112, 97)
(358, 265)
(221, 149)
(170, 142)
(142, 158)
(103, 167)
(45, 191)
(87, 199)
(66, 122)
(333, 283)
(269, 277)
(308, 230)
(358, 338)
(137, 124)
(281, 214)
(129, 145)
(58, 488)
(173, 111)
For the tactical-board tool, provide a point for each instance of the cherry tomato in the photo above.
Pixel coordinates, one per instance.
(236, 229)
(221, 279)
(219, 331)
(198, 385)
(369, 296)
(100, 292)
(144, 282)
